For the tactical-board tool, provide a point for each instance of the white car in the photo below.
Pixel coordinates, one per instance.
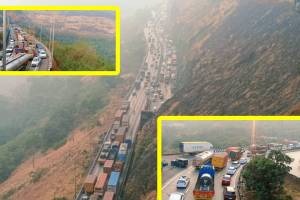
(231, 170)
(36, 61)
(236, 164)
(176, 196)
(182, 182)
(42, 54)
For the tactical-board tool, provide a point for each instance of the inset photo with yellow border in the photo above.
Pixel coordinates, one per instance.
(227, 157)
(60, 40)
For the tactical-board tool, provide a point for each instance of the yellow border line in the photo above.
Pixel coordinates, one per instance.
(117, 70)
(160, 120)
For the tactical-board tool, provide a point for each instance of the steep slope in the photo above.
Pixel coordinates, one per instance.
(52, 174)
(245, 62)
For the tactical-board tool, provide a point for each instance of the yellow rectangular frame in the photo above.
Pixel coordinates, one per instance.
(198, 118)
(74, 73)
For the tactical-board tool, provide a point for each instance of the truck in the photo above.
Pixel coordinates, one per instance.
(234, 153)
(109, 195)
(202, 158)
(118, 166)
(122, 152)
(113, 181)
(120, 135)
(204, 188)
(195, 147)
(125, 106)
(125, 120)
(113, 154)
(108, 166)
(180, 163)
(119, 115)
(89, 183)
(219, 160)
(101, 184)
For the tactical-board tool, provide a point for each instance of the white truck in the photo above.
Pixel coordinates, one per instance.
(195, 147)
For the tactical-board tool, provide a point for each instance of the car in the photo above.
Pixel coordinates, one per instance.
(9, 49)
(226, 180)
(249, 154)
(236, 164)
(42, 54)
(165, 163)
(229, 193)
(36, 61)
(231, 170)
(243, 161)
(84, 197)
(176, 196)
(183, 182)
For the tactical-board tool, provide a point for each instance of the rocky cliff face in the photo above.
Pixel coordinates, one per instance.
(240, 57)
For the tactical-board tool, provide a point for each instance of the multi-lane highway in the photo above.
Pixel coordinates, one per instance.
(171, 176)
(145, 93)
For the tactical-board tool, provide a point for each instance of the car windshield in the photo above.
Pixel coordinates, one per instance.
(231, 168)
(35, 59)
(181, 182)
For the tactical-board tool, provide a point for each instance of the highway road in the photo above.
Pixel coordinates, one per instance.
(171, 175)
(137, 96)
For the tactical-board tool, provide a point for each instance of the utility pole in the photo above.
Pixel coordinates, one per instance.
(4, 42)
(50, 36)
(253, 137)
(52, 51)
(41, 33)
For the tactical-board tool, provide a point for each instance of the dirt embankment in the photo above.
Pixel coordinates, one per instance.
(52, 174)
(292, 186)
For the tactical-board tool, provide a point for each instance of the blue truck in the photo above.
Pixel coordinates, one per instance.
(113, 181)
(204, 188)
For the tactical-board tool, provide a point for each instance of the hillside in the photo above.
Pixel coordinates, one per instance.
(236, 57)
(244, 60)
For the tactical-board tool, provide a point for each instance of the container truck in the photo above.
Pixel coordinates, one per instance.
(202, 158)
(108, 165)
(234, 153)
(219, 160)
(204, 188)
(125, 106)
(113, 181)
(112, 154)
(118, 166)
(109, 195)
(89, 183)
(120, 135)
(119, 115)
(195, 147)
(101, 184)
(125, 120)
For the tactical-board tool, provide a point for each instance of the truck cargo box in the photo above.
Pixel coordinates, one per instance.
(219, 160)
(115, 145)
(109, 195)
(125, 120)
(100, 186)
(108, 165)
(113, 181)
(123, 148)
(89, 183)
(118, 115)
(113, 154)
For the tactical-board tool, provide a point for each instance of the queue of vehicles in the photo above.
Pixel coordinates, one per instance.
(21, 42)
(105, 184)
(208, 163)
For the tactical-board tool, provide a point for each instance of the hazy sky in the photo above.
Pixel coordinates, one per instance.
(127, 6)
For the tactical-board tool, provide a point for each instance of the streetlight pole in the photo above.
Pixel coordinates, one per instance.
(4, 42)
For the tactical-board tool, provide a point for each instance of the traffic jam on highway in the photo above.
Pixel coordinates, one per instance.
(203, 172)
(108, 173)
(24, 51)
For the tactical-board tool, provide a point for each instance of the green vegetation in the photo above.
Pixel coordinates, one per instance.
(265, 176)
(44, 114)
(80, 57)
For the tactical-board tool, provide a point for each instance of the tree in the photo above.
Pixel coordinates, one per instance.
(265, 176)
